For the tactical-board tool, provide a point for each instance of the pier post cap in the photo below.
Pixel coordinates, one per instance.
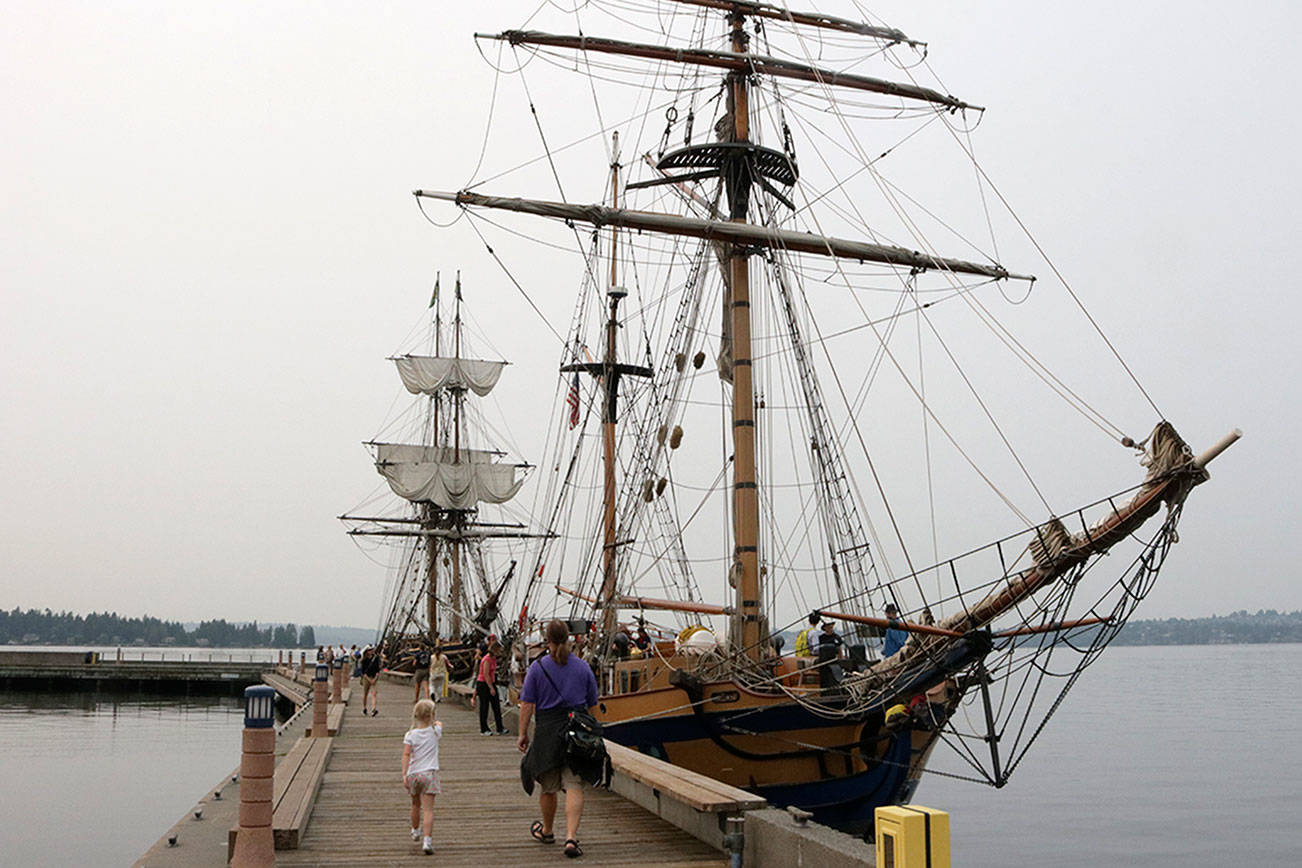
(259, 707)
(322, 672)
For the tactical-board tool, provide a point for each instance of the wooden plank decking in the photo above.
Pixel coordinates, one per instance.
(482, 817)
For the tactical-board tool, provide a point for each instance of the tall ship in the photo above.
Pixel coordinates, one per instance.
(447, 501)
(799, 386)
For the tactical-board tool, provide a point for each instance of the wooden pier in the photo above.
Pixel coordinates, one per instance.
(482, 817)
(359, 814)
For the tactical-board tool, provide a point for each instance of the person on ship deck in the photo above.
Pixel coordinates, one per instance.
(829, 652)
(804, 645)
(895, 637)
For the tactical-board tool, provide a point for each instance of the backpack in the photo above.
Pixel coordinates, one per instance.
(583, 740)
(584, 743)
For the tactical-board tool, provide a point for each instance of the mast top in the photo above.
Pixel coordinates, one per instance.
(812, 19)
(737, 61)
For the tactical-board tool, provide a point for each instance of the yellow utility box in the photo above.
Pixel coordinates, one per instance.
(911, 836)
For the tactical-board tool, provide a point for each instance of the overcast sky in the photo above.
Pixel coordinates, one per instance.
(210, 247)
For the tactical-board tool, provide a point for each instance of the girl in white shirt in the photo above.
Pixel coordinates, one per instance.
(420, 770)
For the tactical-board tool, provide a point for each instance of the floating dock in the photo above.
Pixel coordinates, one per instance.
(61, 668)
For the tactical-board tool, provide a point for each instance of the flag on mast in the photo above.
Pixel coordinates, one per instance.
(434, 299)
(572, 399)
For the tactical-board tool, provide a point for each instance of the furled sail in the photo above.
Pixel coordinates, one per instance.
(425, 375)
(430, 473)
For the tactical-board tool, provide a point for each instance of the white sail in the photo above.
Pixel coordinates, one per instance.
(425, 375)
(429, 473)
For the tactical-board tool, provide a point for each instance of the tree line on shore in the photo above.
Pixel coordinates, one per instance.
(44, 627)
(1237, 628)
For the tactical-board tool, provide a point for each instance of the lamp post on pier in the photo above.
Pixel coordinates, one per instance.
(320, 697)
(255, 845)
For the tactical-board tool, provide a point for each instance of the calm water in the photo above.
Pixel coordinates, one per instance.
(96, 779)
(1161, 757)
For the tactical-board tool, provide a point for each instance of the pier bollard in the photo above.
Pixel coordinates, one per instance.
(348, 671)
(302, 662)
(337, 683)
(280, 657)
(320, 696)
(255, 846)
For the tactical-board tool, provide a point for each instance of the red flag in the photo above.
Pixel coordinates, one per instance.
(573, 401)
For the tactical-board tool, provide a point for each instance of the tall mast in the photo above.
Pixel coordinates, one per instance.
(610, 370)
(608, 585)
(458, 516)
(431, 542)
(745, 491)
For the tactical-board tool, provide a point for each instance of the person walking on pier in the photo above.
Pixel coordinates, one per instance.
(370, 675)
(486, 691)
(420, 771)
(420, 674)
(438, 669)
(556, 684)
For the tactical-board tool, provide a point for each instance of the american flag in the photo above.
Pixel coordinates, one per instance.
(572, 399)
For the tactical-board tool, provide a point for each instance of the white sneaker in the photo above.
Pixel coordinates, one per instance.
(415, 834)
(428, 846)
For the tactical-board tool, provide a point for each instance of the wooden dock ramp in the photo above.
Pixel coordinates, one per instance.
(483, 816)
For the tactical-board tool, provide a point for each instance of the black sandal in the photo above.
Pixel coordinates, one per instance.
(572, 848)
(537, 833)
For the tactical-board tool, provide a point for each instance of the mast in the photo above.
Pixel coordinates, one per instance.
(745, 490)
(427, 509)
(458, 516)
(608, 617)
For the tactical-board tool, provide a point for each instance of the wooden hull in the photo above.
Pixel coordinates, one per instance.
(840, 768)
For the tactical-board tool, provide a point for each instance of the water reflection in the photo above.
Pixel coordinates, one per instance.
(105, 774)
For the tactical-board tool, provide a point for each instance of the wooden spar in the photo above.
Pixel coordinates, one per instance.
(381, 519)
(745, 490)
(1028, 581)
(608, 583)
(727, 232)
(451, 533)
(627, 602)
(813, 19)
(736, 60)
(1052, 627)
(571, 593)
(1123, 521)
(885, 622)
